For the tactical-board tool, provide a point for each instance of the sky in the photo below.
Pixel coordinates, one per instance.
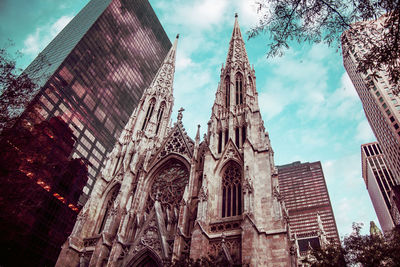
(308, 103)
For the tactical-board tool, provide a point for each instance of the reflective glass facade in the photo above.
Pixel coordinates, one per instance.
(90, 78)
(100, 81)
(304, 190)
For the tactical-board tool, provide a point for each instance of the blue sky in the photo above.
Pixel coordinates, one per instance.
(309, 106)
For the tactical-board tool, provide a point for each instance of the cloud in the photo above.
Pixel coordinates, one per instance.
(36, 41)
(197, 15)
(247, 10)
(302, 83)
(347, 190)
(364, 133)
(273, 100)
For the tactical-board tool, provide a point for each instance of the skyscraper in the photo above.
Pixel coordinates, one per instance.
(167, 196)
(94, 72)
(380, 101)
(89, 80)
(380, 182)
(306, 198)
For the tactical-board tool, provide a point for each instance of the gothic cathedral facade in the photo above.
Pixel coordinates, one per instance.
(163, 196)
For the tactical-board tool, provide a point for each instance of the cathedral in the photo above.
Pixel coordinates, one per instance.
(163, 196)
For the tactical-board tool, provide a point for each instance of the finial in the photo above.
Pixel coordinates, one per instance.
(177, 36)
(236, 15)
(198, 133)
(180, 114)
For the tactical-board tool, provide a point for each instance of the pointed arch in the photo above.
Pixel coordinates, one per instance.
(107, 206)
(239, 88)
(149, 112)
(145, 258)
(227, 91)
(160, 115)
(231, 189)
(173, 167)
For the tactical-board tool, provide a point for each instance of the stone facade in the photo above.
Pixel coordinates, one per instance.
(163, 196)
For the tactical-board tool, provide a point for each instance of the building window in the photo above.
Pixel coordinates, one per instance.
(243, 134)
(237, 137)
(159, 116)
(232, 190)
(227, 92)
(219, 141)
(112, 195)
(148, 114)
(239, 89)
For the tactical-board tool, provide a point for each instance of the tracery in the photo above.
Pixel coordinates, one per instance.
(232, 190)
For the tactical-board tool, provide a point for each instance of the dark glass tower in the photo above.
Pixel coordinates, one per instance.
(90, 78)
(93, 74)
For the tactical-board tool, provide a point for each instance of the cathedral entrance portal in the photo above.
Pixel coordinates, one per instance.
(145, 258)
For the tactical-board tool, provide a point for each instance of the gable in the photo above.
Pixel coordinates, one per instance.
(177, 142)
(230, 153)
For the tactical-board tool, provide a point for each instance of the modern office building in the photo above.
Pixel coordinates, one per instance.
(93, 74)
(380, 183)
(306, 196)
(89, 80)
(380, 101)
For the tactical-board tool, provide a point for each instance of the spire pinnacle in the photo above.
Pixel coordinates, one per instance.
(167, 69)
(198, 133)
(237, 50)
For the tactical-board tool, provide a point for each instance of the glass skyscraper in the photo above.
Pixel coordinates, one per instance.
(94, 72)
(89, 80)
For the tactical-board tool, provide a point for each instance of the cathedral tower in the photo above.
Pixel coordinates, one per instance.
(163, 196)
(239, 202)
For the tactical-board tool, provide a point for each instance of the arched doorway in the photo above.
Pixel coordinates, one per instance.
(145, 258)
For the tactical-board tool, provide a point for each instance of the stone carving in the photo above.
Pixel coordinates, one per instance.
(233, 245)
(225, 226)
(203, 194)
(248, 182)
(231, 153)
(176, 143)
(169, 184)
(248, 191)
(180, 116)
(90, 242)
(279, 205)
(112, 161)
(150, 238)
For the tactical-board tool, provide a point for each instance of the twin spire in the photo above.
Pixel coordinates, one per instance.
(163, 81)
(237, 50)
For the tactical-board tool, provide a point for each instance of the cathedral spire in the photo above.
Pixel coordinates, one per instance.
(237, 51)
(163, 80)
(151, 117)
